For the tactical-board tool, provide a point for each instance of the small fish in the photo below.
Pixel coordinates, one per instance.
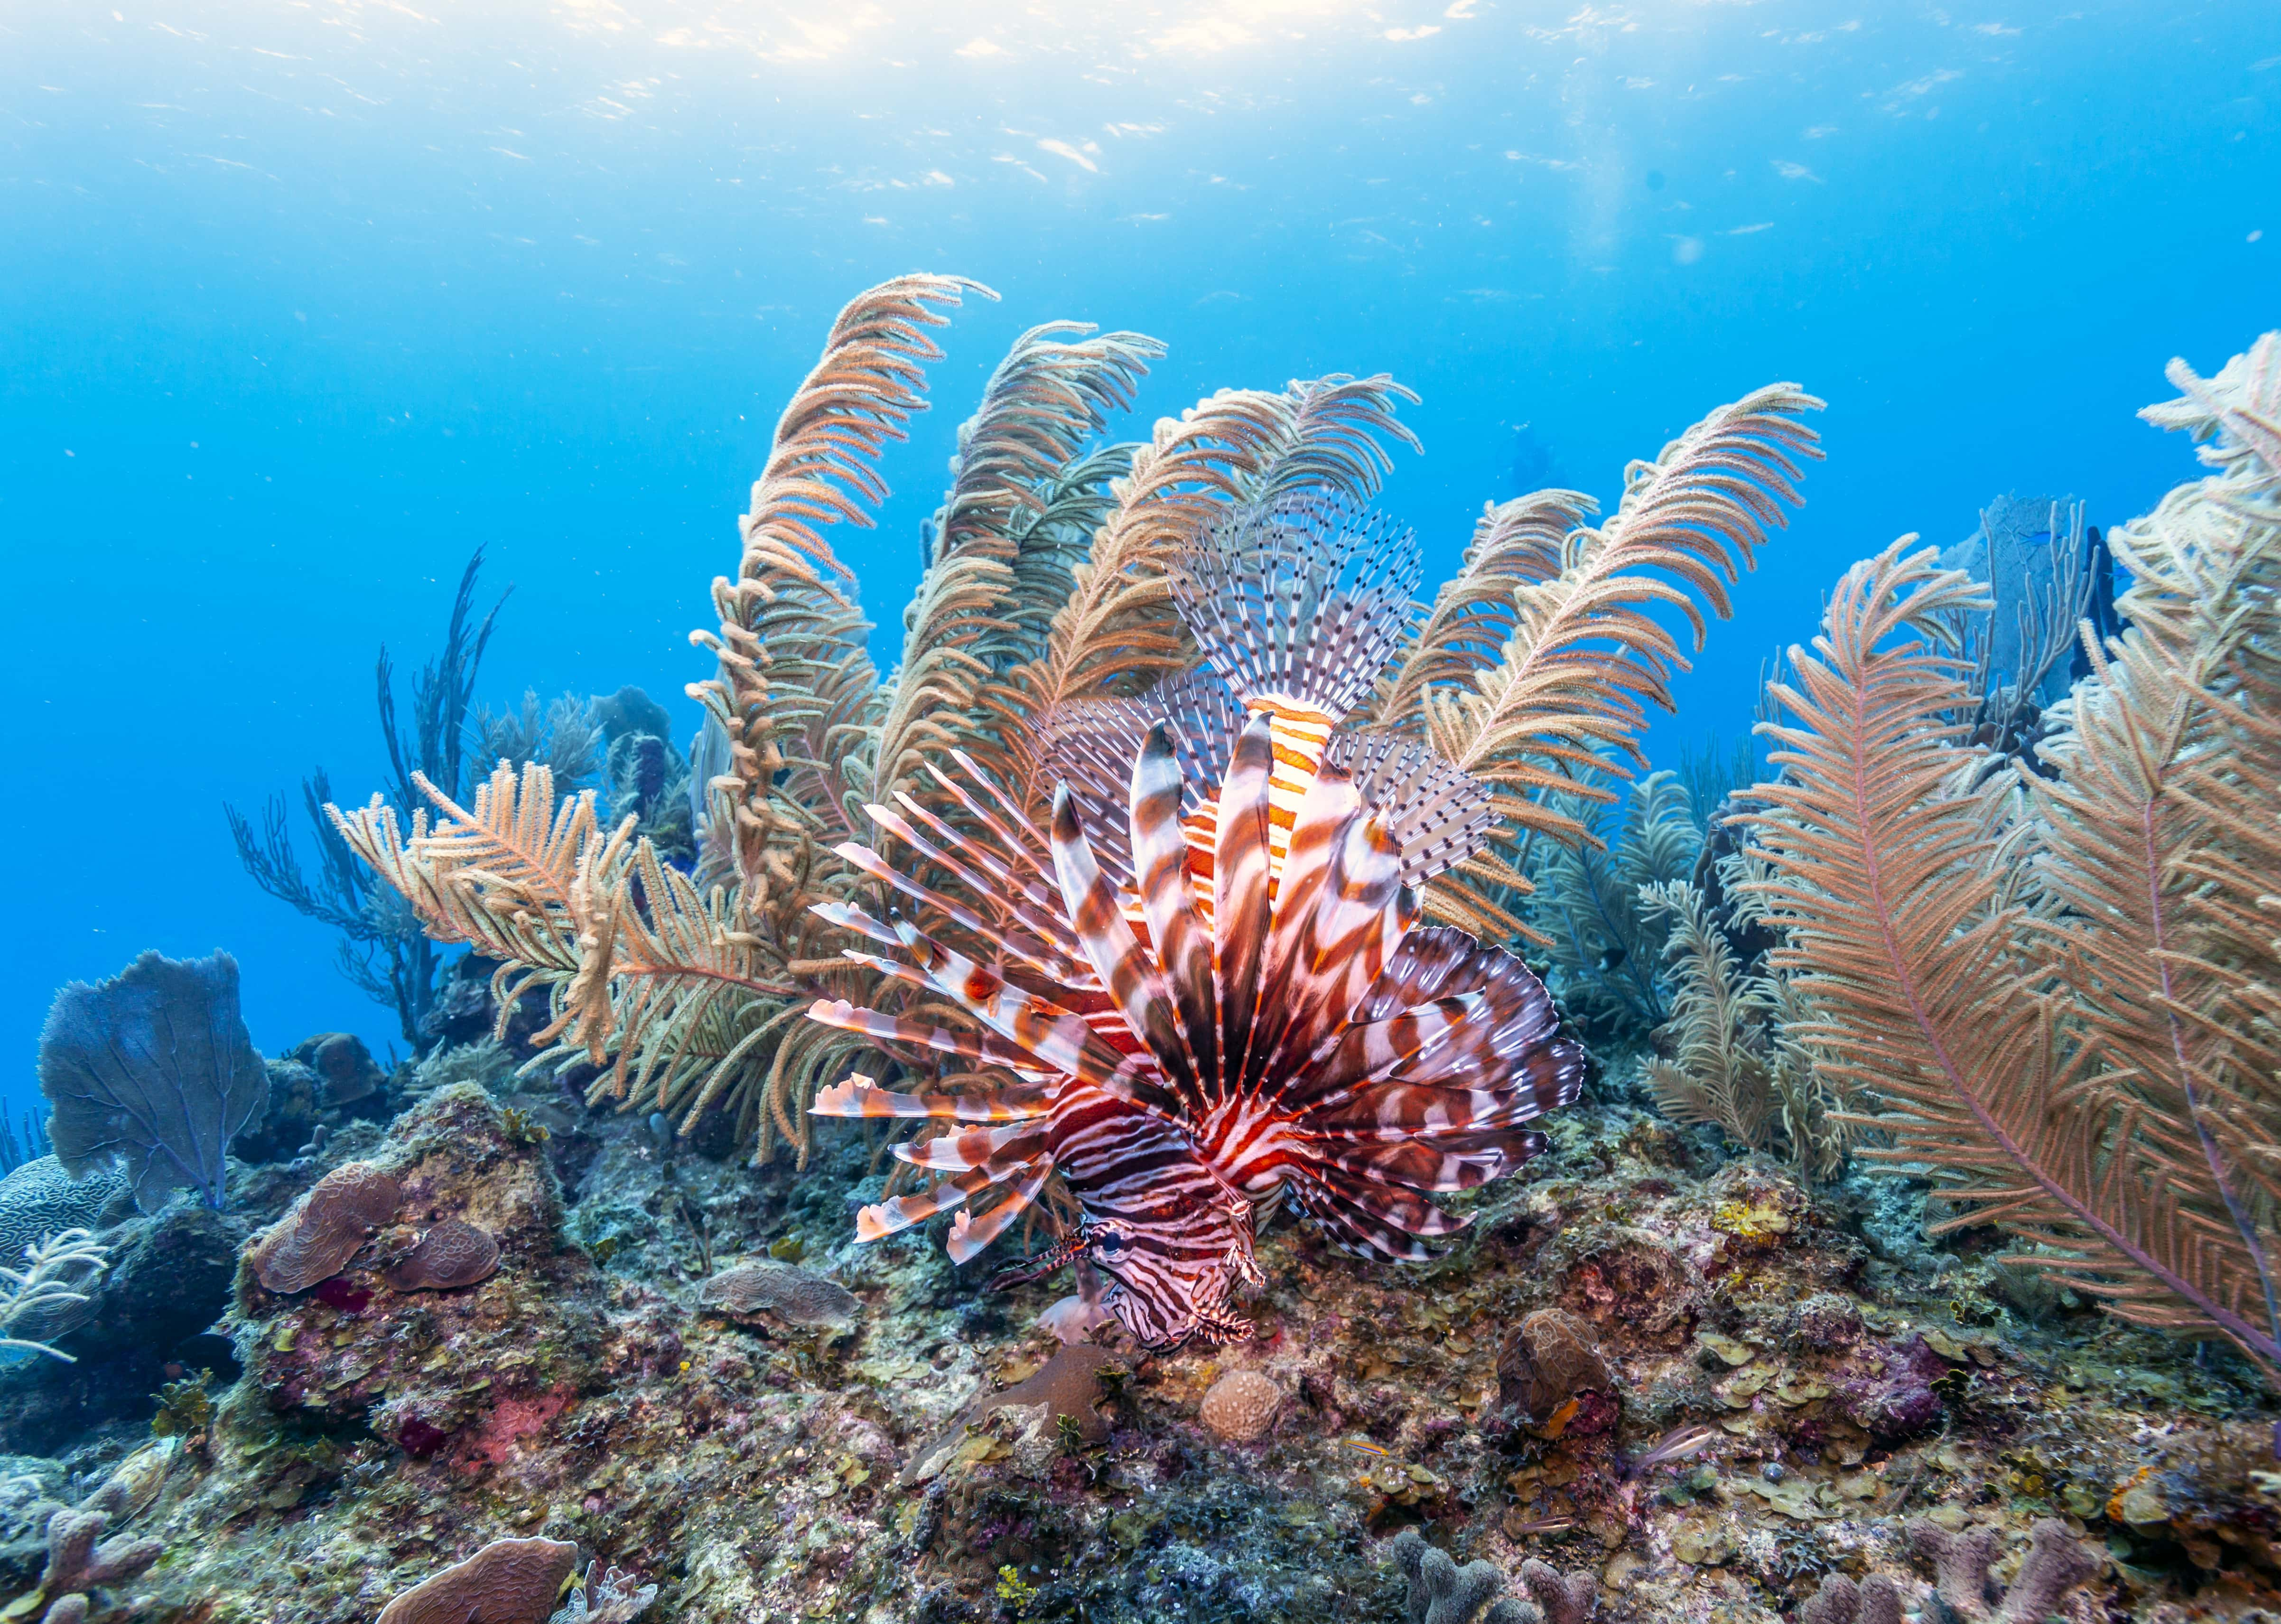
(1540, 1524)
(1614, 957)
(1674, 1445)
(1360, 1444)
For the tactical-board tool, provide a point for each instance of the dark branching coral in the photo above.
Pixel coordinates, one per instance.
(327, 1226)
(152, 1069)
(508, 1582)
(382, 950)
(452, 1254)
(1963, 1593)
(1441, 1592)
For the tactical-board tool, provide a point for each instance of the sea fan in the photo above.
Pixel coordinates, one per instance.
(1237, 1005)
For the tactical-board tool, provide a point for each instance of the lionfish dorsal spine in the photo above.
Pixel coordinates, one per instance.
(1135, 985)
(1182, 940)
(1241, 908)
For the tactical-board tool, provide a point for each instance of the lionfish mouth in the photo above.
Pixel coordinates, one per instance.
(1064, 1251)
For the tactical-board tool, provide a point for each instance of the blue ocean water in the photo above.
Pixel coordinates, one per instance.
(300, 303)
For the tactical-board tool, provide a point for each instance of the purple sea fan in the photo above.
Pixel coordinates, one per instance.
(1207, 976)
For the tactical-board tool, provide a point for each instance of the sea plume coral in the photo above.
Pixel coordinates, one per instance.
(2053, 993)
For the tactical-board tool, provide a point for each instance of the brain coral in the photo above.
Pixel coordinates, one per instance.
(508, 1582)
(777, 1291)
(314, 1241)
(450, 1254)
(39, 1199)
(1240, 1406)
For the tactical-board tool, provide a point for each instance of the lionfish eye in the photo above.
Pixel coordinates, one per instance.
(1108, 1243)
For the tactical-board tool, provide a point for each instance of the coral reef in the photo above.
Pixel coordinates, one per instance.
(563, 1313)
(153, 1071)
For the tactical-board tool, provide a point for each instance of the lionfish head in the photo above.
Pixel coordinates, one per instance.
(1170, 1283)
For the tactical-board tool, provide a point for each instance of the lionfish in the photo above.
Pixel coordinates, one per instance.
(1209, 978)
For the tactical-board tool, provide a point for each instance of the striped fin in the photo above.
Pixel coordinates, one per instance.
(1092, 745)
(970, 1234)
(1035, 890)
(1260, 591)
(1118, 958)
(855, 1095)
(1360, 915)
(1011, 823)
(1168, 897)
(851, 918)
(1241, 918)
(1035, 953)
(1437, 813)
(1331, 805)
(876, 1223)
(996, 865)
(1351, 1228)
(986, 1048)
(1301, 738)
(1449, 1162)
(994, 879)
(1390, 1204)
(964, 1150)
(1050, 947)
(1060, 1039)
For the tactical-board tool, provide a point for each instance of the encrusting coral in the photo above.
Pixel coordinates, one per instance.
(1240, 1406)
(508, 1582)
(326, 1227)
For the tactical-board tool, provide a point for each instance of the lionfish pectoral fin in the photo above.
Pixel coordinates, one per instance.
(969, 1234)
(1124, 965)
